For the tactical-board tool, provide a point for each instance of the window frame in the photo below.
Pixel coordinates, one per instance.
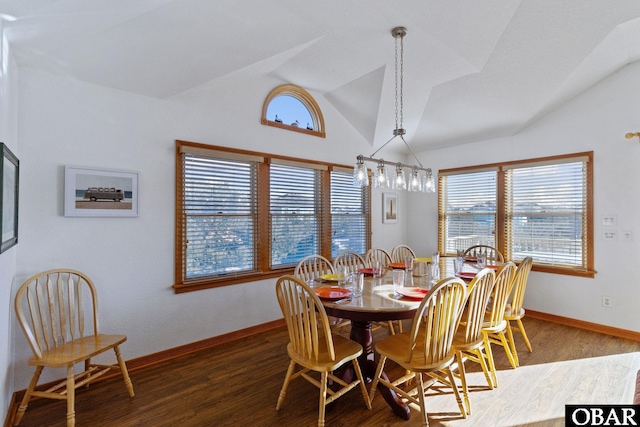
(501, 228)
(306, 99)
(263, 258)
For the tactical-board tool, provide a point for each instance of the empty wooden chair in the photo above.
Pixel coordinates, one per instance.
(401, 252)
(493, 255)
(514, 310)
(468, 343)
(312, 267)
(58, 313)
(495, 326)
(352, 260)
(426, 350)
(313, 346)
(378, 254)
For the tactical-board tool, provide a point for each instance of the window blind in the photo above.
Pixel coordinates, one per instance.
(350, 216)
(467, 209)
(295, 213)
(546, 213)
(219, 202)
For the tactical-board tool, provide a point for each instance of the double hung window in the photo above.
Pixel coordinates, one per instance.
(243, 216)
(539, 207)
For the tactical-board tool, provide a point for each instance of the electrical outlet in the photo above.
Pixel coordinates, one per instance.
(606, 301)
(627, 235)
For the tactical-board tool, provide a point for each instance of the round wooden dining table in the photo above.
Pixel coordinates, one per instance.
(379, 302)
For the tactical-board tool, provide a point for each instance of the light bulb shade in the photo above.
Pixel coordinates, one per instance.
(429, 185)
(415, 182)
(381, 178)
(360, 174)
(399, 182)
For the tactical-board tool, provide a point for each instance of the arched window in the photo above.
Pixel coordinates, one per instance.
(293, 108)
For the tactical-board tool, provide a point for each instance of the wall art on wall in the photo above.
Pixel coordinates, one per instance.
(9, 173)
(389, 208)
(100, 192)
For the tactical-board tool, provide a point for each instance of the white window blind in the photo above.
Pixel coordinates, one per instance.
(220, 209)
(467, 209)
(296, 213)
(546, 213)
(350, 216)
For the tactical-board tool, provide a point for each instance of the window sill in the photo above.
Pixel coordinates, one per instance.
(568, 271)
(197, 285)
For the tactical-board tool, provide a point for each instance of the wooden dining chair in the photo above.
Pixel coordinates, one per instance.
(350, 259)
(313, 346)
(401, 252)
(468, 342)
(312, 267)
(425, 351)
(378, 254)
(491, 252)
(514, 310)
(58, 313)
(495, 325)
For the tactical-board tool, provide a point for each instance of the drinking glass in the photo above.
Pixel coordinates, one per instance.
(435, 257)
(358, 283)
(434, 273)
(398, 280)
(481, 260)
(460, 253)
(458, 265)
(408, 264)
(376, 269)
(343, 276)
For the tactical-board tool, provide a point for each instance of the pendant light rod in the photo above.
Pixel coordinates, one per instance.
(388, 162)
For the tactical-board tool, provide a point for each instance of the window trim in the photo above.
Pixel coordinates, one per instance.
(181, 284)
(306, 99)
(586, 156)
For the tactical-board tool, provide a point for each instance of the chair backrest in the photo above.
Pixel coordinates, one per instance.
(352, 260)
(493, 255)
(400, 252)
(520, 284)
(55, 307)
(436, 321)
(500, 294)
(378, 254)
(307, 322)
(312, 267)
(479, 292)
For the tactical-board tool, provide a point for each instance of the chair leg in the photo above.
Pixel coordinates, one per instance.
(507, 349)
(287, 378)
(461, 406)
(124, 371)
(492, 365)
(363, 387)
(420, 389)
(524, 335)
(463, 380)
(71, 397)
(27, 396)
(483, 363)
(376, 377)
(323, 398)
(512, 344)
(391, 328)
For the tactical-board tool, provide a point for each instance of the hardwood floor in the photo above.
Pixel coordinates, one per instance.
(237, 384)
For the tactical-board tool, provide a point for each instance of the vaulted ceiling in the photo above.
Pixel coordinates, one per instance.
(473, 69)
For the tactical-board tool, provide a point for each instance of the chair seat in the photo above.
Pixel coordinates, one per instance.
(510, 315)
(395, 348)
(345, 350)
(77, 351)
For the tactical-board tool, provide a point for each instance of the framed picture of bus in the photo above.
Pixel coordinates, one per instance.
(100, 192)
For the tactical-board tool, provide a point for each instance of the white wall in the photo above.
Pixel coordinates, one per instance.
(66, 122)
(9, 136)
(597, 120)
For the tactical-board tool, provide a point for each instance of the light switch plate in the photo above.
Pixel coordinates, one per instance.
(610, 235)
(609, 220)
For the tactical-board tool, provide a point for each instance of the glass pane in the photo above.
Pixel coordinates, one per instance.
(349, 225)
(290, 111)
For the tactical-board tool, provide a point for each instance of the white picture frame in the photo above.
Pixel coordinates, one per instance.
(389, 208)
(93, 192)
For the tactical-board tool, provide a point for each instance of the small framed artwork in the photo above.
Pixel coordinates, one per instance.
(9, 173)
(100, 192)
(389, 208)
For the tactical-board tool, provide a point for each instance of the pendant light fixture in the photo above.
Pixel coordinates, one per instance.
(421, 178)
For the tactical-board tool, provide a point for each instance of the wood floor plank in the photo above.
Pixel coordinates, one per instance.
(237, 384)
